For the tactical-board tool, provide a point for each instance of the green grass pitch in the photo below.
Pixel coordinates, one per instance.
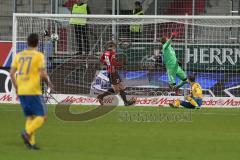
(210, 134)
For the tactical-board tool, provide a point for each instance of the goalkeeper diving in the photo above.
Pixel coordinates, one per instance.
(172, 65)
(194, 100)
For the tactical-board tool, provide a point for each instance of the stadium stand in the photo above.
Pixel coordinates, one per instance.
(182, 7)
(172, 7)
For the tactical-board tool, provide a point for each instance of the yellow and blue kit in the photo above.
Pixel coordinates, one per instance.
(28, 64)
(193, 101)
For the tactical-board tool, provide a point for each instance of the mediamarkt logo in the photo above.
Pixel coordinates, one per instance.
(159, 101)
(80, 100)
(228, 102)
(208, 102)
(213, 55)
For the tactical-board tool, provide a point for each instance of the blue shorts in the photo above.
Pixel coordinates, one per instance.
(189, 105)
(198, 100)
(33, 105)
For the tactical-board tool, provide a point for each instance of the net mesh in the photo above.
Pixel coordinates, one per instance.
(212, 54)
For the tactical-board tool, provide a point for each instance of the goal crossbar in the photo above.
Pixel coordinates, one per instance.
(190, 17)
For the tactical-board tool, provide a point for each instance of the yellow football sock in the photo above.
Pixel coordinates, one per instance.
(36, 123)
(32, 139)
(32, 136)
(28, 122)
(192, 101)
(177, 103)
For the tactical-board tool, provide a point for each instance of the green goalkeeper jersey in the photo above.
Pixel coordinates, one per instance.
(169, 56)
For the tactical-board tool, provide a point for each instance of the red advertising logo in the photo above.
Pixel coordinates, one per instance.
(6, 98)
(84, 100)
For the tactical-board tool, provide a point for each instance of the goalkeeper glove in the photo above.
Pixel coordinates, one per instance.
(174, 34)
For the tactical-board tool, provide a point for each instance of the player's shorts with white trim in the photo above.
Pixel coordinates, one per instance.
(33, 105)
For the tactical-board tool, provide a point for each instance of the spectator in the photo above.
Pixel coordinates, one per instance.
(80, 26)
(136, 29)
(64, 7)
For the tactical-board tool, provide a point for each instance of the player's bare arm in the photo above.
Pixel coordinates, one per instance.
(44, 76)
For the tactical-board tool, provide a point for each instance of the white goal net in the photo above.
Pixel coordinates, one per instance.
(207, 47)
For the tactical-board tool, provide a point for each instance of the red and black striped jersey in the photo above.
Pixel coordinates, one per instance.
(108, 58)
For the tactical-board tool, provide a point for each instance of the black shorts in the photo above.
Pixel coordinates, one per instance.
(114, 78)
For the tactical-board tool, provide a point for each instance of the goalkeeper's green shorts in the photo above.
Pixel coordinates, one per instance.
(174, 72)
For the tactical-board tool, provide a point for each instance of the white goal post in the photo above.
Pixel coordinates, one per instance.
(207, 46)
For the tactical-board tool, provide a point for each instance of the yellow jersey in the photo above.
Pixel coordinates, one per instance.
(196, 90)
(28, 64)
